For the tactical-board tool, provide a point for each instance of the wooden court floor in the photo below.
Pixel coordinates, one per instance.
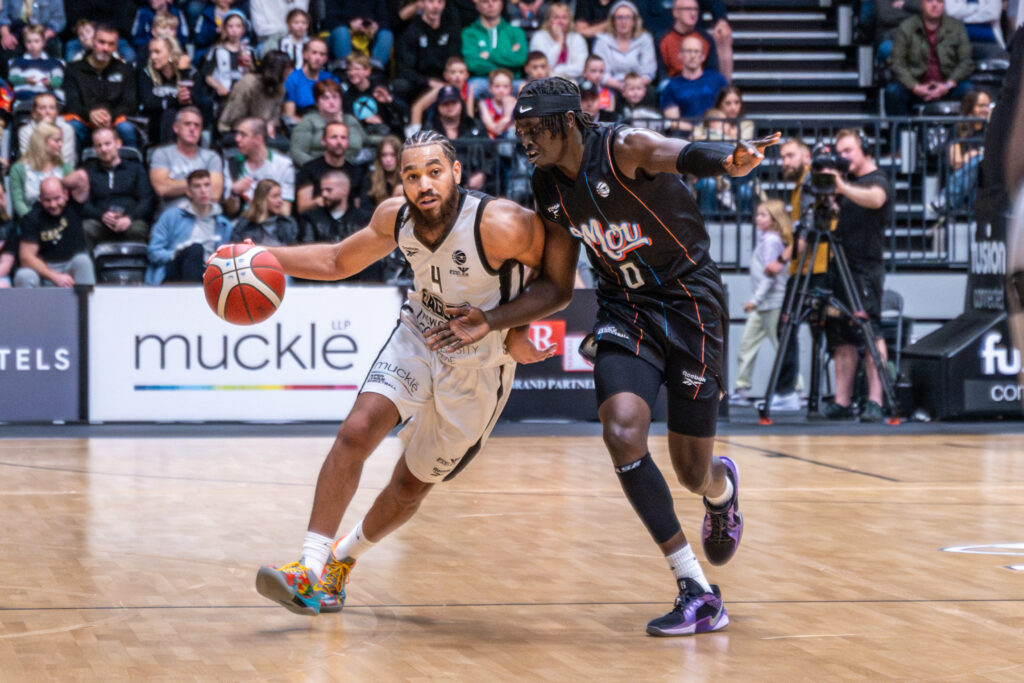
(134, 559)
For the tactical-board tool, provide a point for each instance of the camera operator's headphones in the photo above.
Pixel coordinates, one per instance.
(865, 144)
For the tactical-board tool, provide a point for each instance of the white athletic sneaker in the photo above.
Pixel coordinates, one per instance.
(790, 401)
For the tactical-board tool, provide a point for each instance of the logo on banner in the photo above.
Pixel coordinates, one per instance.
(544, 333)
(996, 359)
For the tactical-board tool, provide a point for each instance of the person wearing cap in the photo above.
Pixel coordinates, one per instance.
(625, 46)
(590, 101)
(447, 115)
(661, 314)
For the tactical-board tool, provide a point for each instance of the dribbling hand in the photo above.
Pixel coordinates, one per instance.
(468, 325)
(747, 155)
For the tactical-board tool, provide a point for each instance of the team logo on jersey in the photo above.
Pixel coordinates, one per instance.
(411, 251)
(602, 188)
(692, 380)
(459, 257)
(433, 304)
(616, 240)
(553, 211)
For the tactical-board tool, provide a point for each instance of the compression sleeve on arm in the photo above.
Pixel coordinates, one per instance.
(703, 159)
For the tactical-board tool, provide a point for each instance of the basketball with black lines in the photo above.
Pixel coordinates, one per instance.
(244, 283)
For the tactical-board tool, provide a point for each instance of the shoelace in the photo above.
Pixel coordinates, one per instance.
(720, 522)
(336, 576)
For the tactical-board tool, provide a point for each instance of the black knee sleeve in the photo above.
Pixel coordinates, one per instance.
(650, 496)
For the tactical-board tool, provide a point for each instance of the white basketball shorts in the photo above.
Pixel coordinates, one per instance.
(448, 411)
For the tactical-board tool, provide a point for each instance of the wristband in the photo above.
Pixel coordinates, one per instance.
(703, 159)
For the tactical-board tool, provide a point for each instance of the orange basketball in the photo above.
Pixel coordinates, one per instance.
(244, 283)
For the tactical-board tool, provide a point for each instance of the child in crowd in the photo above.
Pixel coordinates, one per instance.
(143, 29)
(774, 234)
(635, 108)
(536, 66)
(366, 95)
(35, 72)
(44, 110)
(593, 71)
(231, 59)
(208, 27)
(496, 111)
(297, 37)
(457, 73)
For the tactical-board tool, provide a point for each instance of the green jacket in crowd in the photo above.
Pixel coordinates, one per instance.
(910, 52)
(486, 49)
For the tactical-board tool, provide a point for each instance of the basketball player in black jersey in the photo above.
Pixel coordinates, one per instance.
(661, 319)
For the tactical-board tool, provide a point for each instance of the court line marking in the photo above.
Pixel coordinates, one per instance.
(884, 601)
(776, 454)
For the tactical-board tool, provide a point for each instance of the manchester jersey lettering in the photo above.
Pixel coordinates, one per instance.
(617, 240)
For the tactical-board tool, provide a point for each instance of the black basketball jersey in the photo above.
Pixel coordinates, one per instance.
(647, 241)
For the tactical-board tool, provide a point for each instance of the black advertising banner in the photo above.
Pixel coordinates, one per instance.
(561, 387)
(967, 368)
(39, 363)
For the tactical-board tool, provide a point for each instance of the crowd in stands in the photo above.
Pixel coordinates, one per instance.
(280, 120)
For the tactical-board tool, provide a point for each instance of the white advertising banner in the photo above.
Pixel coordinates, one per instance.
(161, 354)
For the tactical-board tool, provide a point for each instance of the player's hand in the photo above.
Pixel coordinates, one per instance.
(748, 155)
(522, 350)
(467, 325)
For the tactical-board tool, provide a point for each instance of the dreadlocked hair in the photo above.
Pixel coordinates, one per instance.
(424, 138)
(556, 124)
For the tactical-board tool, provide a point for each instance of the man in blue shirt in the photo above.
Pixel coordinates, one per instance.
(694, 90)
(298, 87)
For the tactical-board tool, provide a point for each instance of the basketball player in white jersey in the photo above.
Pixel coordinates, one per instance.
(464, 248)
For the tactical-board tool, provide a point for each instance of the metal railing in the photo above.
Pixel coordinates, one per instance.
(933, 200)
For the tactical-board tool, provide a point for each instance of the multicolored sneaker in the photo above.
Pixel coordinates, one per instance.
(333, 581)
(723, 527)
(695, 611)
(294, 586)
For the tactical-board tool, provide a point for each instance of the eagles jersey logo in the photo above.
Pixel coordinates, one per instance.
(411, 251)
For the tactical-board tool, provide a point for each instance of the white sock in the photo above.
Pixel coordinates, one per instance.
(726, 496)
(684, 564)
(353, 544)
(315, 549)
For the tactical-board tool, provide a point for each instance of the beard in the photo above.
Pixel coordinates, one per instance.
(441, 217)
(792, 174)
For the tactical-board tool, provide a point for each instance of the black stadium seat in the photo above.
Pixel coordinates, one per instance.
(120, 263)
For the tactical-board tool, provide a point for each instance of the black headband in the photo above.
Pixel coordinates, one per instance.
(544, 105)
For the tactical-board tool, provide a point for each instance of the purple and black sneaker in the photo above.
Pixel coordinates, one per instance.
(695, 611)
(723, 527)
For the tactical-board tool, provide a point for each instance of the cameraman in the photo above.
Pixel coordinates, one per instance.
(796, 168)
(864, 210)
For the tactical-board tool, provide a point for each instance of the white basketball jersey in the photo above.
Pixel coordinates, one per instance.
(456, 272)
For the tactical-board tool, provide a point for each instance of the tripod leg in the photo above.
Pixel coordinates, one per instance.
(793, 310)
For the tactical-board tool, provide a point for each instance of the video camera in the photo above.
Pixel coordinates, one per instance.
(823, 159)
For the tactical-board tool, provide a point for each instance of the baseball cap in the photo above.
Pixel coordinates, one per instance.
(588, 89)
(448, 93)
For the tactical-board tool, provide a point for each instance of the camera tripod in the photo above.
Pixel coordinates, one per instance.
(803, 302)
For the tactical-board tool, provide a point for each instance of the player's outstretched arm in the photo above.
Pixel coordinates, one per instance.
(638, 148)
(348, 257)
(550, 291)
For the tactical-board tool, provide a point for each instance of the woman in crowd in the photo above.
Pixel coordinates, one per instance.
(259, 95)
(165, 85)
(306, 143)
(44, 109)
(42, 159)
(625, 46)
(966, 152)
(565, 49)
(263, 222)
(385, 180)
